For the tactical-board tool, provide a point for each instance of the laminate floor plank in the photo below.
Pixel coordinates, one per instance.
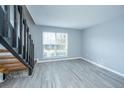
(67, 74)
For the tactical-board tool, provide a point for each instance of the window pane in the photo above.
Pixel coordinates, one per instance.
(61, 44)
(48, 38)
(49, 44)
(54, 44)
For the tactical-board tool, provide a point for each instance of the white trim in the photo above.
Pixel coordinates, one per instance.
(101, 66)
(52, 60)
(87, 60)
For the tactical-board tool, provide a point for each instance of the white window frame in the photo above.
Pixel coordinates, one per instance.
(55, 56)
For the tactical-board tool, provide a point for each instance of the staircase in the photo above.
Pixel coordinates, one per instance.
(16, 44)
(9, 63)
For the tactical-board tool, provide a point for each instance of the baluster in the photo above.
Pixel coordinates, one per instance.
(27, 44)
(29, 49)
(24, 47)
(14, 33)
(1, 21)
(33, 55)
(6, 20)
(17, 29)
(20, 30)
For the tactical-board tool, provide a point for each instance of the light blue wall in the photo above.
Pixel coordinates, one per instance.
(1, 77)
(74, 40)
(104, 44)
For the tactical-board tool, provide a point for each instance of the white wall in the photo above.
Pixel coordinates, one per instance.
(104, 44)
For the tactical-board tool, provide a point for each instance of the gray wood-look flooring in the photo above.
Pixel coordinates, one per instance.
(67, 74)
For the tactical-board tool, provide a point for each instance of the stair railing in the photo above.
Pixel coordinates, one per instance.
(15, 34)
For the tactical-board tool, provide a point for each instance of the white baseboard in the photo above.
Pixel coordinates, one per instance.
(101, 66)
(87, 60)
(52, 60)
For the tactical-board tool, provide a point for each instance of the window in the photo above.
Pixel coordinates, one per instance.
(54, 44)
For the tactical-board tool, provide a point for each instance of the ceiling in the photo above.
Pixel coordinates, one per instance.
(74, 16)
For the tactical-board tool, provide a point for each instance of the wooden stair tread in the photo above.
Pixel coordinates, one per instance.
(16, 64)
(10, 62)
(2, 69)
(7, 66)
(14, 69)
(3, 51)
(12, 65)
(7, 57)
(17, 67)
